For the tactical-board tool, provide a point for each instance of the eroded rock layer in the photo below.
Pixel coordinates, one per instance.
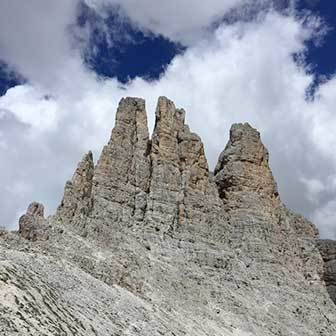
(150, 242)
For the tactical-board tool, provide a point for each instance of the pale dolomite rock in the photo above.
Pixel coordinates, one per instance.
(243, 165)
(262, 227)
(121, 178)
(149, 242)
(179, 171)
(77, 200)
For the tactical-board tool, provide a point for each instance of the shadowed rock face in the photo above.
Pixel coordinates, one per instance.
(328, 251)
(32, 225)
(149, 242)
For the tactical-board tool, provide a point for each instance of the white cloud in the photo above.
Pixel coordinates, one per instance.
(325, 216)
(33, 39)
(242, 72)
(31, 106)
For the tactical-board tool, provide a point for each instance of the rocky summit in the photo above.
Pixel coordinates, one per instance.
(149, 241)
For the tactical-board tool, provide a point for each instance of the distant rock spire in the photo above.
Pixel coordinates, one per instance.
(243, 165)
(77, 199)
(32, 225)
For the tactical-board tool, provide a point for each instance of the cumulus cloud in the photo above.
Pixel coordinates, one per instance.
(33, 39)
(243, 71)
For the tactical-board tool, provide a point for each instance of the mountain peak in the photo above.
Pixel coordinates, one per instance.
(149, 242)
(243, 165)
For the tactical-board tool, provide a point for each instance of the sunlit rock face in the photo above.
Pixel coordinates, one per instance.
(149, 242)
(243, 165)
(77, 200)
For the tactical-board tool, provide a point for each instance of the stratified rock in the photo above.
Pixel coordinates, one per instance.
(32, 225)
(77, 200)
(328, 250)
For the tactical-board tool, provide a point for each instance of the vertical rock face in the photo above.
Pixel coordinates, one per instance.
(32, 225)
(178, 168)
(328, 251)
(121, 178)
(77, 200)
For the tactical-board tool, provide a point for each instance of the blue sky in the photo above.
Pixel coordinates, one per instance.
(64, 66)
(321, 57)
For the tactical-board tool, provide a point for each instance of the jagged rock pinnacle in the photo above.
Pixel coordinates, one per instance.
(122, 172)
(169, 122)
(179, 169)
(32, 225)
(35, 209)
(77, 199)
(250, 196)
(243, 165)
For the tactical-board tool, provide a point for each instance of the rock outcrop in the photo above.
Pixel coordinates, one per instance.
(150, 242)
(32, 225)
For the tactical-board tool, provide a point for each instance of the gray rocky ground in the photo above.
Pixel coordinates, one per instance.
(149, 242)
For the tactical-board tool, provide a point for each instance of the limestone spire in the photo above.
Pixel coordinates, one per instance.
(122, 172)
(77, 200)
(32, 225)
(243, 165)
(179, 168)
